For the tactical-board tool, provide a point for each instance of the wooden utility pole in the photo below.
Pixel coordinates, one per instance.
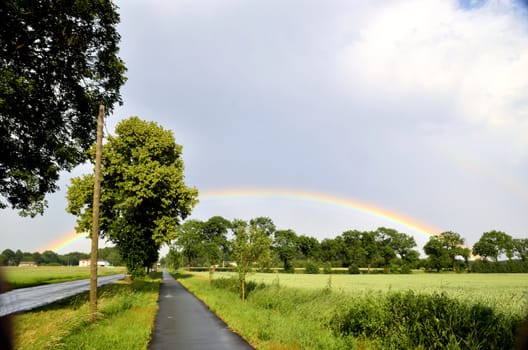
(95, 218)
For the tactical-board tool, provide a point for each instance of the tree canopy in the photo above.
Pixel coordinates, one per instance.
(143, 196)
(58, 62)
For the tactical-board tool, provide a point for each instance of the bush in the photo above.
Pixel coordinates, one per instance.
(233, 285)
(436, 321)
(353, 270)
(311, 268)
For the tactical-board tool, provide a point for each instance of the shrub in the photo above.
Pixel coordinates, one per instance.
(436, 321)
(311, 268)
(353, 269)
(233, 285)
(327, 269)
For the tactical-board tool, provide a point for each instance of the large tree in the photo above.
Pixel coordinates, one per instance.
(285, 244)
(58, 62)
(494, 244)
(189, 238)
(444, 249)
(143, 197)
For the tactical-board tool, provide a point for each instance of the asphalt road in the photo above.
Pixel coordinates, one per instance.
(184, 322)
(25, 299)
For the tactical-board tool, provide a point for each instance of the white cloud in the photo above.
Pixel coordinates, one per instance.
(476, 58)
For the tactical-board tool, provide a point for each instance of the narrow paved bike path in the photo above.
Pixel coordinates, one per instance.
(184, 322)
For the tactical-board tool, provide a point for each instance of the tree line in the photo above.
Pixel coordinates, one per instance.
(11, 257)
(217, 242)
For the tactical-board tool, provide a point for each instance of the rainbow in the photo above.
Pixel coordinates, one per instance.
(323, 198)
(63, 242)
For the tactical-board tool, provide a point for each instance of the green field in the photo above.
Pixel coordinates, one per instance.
(507, 292)
(371, 311)
(22, 277)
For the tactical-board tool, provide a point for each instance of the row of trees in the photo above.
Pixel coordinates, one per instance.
(13, 258)
(213, 242)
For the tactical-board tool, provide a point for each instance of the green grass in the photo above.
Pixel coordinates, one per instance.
(371, 312)
(22, 277)
(505, 292)
(126, 318)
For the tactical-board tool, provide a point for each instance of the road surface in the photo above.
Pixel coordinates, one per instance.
(184, 322)
(25, 299)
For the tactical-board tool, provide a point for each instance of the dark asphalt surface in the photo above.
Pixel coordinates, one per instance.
(25, 299)
(184, 322)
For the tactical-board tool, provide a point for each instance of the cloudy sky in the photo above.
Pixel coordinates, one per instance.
(418, 107)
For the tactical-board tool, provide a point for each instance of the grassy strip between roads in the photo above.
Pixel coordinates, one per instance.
(23, 277)
(279, 317)
(126, 319)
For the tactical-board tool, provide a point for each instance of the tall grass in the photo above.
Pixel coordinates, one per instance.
(125, 321)
(276, 316)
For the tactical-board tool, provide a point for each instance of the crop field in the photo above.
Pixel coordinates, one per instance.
(21, 277)
(505, 292)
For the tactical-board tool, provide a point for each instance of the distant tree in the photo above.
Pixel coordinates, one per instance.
(354, 247)
(189, 239)
(9, 257)
(308, 247)
(520, 248)
(285, 246)
(264, 224)
(333, 250)
(112, 255)
(173, 258)
(372, 248)
(18, 256)
(494, 244)
(49, 257)
(144, 196)
(58, 62)
(214, 239)
(252, 243)
(445, 248)
(72, 258)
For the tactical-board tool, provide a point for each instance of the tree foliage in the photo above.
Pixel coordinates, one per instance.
(252, 244)
(58, 62)
(285, 244)
(143, 197)
(493, 244)
(444, 249)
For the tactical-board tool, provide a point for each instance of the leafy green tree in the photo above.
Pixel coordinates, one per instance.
(355, 253)
(437, 255)
(58, 62)
(520, 248)
(189, 239)
(252, 244)
(494, 244)
(50, 258)
(371, 247)
(285, 246)
(9, 257)
(173, 258)
(214, 235)
(143, 197)
(445, 248)
(308, 247)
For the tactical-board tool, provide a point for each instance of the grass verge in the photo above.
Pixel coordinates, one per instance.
(23, 277)
(279, 317)
(126, 318)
